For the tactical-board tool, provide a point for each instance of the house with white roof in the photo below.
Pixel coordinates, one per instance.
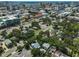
(46, 45)
(35, 45)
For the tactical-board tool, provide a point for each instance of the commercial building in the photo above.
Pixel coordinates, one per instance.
(9, 21)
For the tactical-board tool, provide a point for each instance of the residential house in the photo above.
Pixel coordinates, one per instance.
(35, 45)
(46, 45)
(8, 43)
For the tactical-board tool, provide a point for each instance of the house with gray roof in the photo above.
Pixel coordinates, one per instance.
(46, 45)
(8, 43)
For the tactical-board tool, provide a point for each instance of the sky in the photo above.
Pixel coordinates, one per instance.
(39, 0)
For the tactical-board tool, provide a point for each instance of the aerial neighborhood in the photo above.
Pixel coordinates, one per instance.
(39, 29)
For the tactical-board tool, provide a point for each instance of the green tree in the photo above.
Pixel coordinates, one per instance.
(37, 53)
(26, 45)
(47, 21)
(4, 33)
(16, 33)
(36, 24)
(1, 50)
(19, 48)
(9, 35)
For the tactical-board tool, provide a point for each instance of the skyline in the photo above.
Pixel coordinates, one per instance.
(39, 0)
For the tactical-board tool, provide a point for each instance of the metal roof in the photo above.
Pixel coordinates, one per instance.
(35, 45)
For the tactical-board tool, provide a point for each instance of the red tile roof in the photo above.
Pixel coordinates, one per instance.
(38, 15)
